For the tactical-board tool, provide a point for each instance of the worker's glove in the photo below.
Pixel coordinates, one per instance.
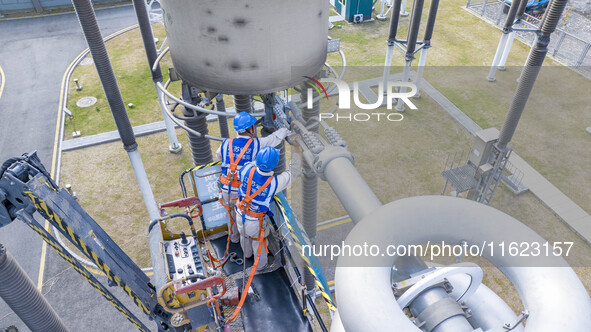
(282, 133)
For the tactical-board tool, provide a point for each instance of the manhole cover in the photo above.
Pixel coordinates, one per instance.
(86, 62)
(86, 101)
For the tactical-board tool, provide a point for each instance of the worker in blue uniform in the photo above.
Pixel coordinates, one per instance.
(259, 185)
(234, 153)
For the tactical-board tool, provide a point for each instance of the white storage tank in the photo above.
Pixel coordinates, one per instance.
(246, 46)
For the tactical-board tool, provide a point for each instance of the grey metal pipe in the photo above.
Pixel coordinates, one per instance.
(507, 29)
(531, 70)
(220, 105)
(432, 297)
(489, 311)
(310, 184)
(413, 29)
(351, 189)
(394, 21)
(360, 201)
(21, 295)
(100, 56)
(96, 45)
(242, 103)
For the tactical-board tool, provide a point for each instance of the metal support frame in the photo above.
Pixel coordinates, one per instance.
(488, 183)
(27, 187)
(505, 42)
(507, 50)
(409, 46)
(421, 69)
(383, 15)
(497, 58)
(411, 43)
(403, 11)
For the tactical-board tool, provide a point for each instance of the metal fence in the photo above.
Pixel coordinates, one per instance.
(570, 44)
(9, 6)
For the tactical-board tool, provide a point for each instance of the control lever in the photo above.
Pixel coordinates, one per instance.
(184, 238)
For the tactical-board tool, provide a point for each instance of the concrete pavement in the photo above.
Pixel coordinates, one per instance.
(34, 55)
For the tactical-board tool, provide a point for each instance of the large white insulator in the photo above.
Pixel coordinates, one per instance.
(246, 46)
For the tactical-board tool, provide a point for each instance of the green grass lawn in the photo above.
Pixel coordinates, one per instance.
(135, 81)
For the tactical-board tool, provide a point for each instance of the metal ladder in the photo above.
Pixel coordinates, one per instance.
(487, 185)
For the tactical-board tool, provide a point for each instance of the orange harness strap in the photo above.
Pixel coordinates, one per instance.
(252, 272)
(230, 178)
(244, 204)
(231, 181)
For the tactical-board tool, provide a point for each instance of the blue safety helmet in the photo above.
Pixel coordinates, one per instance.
(243, 121)
(267, 159)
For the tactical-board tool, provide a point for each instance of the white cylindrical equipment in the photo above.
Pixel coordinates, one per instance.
(246, 47)
(551, 292)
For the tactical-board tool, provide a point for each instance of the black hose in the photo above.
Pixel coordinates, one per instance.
(431, 20)
(148, 37)
(182, 183)
(175, 215)
(18, 291)
(394, 21)
(103, 66)
(413, 30)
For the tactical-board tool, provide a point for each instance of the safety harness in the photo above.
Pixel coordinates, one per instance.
(231, 180)
(244, 206)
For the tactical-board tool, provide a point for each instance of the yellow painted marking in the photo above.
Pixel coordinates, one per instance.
(336, 223)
